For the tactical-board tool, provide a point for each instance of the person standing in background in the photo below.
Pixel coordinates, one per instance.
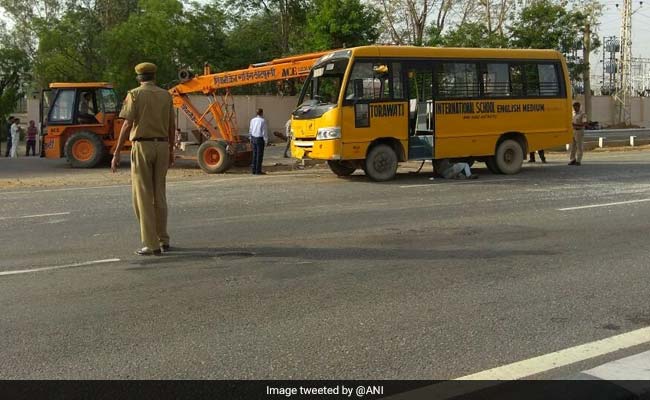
(579, 122)
(259, 138)
(15, 137)
(10, 122)
(287, 133)
(32, 131)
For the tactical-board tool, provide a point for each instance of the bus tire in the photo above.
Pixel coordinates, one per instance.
(84, 150)
(213, 157)
(491, 164)
(381, 163)
(341, 168)
(509, 157)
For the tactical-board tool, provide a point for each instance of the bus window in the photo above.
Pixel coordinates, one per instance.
(517, 80)
(371, 81)
(457, 80)
(549, 84)
(496, 82)
(324, 84)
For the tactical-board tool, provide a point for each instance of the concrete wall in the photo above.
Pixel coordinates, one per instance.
(603, 110)
(277, 110)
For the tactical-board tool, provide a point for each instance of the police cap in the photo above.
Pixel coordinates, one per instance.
(145, 68)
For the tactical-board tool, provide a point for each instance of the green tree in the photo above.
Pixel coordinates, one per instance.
(203, 38)
(69, 48)
(14, 72)
(154, 33)
(341, 23)
(473, 34)
(546, 24)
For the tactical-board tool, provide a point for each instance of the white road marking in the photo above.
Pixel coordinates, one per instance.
(462, 181)
(82, 264)
(36, 215)
(172, 183)
(618, 203)
(64, 189)
(413, 186)
(536, 365)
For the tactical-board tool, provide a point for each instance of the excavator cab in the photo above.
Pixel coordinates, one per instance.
(80, 121)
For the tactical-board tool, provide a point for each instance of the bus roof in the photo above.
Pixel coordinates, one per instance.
(454, 52)
(60, 85)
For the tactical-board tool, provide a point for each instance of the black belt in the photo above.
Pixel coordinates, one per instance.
(150, 139)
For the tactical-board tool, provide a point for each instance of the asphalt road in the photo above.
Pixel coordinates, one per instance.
(305, 275)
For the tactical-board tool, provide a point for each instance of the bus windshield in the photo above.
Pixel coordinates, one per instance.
(324, 84)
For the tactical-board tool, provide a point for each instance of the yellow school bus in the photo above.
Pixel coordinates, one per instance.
(371, 107)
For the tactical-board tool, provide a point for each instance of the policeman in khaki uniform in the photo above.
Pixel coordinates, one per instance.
(149, 124)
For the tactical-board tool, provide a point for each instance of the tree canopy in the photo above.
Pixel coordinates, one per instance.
(101, 40)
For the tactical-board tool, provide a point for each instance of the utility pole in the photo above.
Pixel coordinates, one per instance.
(624, 92)
(586, 77)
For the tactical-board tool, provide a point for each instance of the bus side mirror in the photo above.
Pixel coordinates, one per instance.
(358, 88)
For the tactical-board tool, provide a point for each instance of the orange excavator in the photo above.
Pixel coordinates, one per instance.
(81, 123)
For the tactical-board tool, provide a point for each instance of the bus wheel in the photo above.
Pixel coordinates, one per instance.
(491, 164)
(341, 168)
(213, 157)
(509, 157)
(84, 150)
(381, 163)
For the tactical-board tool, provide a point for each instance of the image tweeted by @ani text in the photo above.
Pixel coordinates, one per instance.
(327, 390)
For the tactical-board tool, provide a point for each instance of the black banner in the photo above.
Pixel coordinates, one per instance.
(398, 390)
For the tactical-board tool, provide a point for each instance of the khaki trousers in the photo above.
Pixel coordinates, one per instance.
(576, 145)
(149, 164)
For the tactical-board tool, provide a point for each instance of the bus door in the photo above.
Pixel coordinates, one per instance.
(421, 111)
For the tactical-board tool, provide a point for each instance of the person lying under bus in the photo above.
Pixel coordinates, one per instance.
(450, 170)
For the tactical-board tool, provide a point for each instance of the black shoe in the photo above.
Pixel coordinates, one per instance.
(577, 164)
(573, 162)
(145, 251)
(543, 161)
(165, 248)
(531, 161)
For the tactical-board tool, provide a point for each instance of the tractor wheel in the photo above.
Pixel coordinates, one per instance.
(84, 150)
(381, 163)
(213, 157)
(341, 168)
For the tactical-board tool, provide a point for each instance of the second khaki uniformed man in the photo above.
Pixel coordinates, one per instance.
(579, 121)
(149, 124)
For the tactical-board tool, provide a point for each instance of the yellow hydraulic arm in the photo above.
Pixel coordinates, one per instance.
(218, 120)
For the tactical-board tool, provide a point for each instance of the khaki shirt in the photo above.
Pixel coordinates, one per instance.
(151, 109)
(579, 120)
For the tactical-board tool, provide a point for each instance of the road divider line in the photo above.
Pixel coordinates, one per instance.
(81, 264)
(618, 203)
(572, 355)
(36, 215)
(462, 181)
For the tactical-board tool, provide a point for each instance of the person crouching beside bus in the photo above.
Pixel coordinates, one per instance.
(579, 122)
(449, 170)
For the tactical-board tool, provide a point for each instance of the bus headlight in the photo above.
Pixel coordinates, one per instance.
(329, 133)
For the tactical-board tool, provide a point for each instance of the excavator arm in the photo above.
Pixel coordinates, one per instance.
(218, 120)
